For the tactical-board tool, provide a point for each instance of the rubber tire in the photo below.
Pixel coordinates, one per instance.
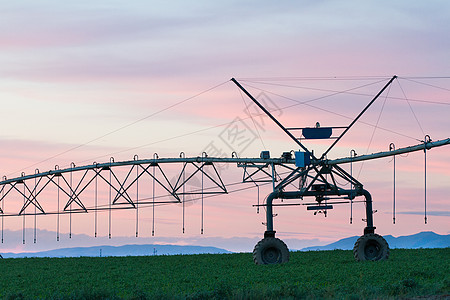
(270, 251)
(372, 247)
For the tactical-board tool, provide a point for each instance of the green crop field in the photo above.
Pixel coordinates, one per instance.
(315, 275)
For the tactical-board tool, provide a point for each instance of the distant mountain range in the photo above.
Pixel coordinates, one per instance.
(126, 250)
(426, 239)
(420, 240)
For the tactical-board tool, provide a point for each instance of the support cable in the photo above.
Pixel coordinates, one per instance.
(349, 91)
(340, 136)
(132, 123)
(315, 78)
(253, 121)
(410, 107)
(283, 108)
(332, 92)
(273, 118)
(427, 84)
(326, 110)
(376, 124)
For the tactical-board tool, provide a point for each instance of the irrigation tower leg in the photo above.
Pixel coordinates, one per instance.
(369, 213)
(370, 246)
(270, 250)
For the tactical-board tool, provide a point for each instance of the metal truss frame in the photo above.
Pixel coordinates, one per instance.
(321, 187)
(318, 177)
(325, 173)
(31, 187)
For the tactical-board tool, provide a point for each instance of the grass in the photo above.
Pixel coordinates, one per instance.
(316, 275)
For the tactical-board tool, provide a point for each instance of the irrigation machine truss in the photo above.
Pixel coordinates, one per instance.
(318, 177)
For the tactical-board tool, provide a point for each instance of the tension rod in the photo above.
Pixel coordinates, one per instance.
(96, 205)
(24, 213)
(155, 156)
(72, 193)
(3, 211)
(183, 155)
(427, 139)
(352, 155)
(137, 198)
(35, 207)
(203, 172)
(110, 196)
(392, 148)
(57, 213)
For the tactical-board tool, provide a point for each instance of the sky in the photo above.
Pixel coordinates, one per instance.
(84, 81)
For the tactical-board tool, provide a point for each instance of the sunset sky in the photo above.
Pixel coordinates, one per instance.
(83, 81)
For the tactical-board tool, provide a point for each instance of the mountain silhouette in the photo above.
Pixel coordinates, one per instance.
(126, 250)
(426, 239)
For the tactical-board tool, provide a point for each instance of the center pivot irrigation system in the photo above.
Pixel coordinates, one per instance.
(302, 175)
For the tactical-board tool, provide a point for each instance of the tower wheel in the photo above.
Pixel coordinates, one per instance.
(270, 250)
(372, 247)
